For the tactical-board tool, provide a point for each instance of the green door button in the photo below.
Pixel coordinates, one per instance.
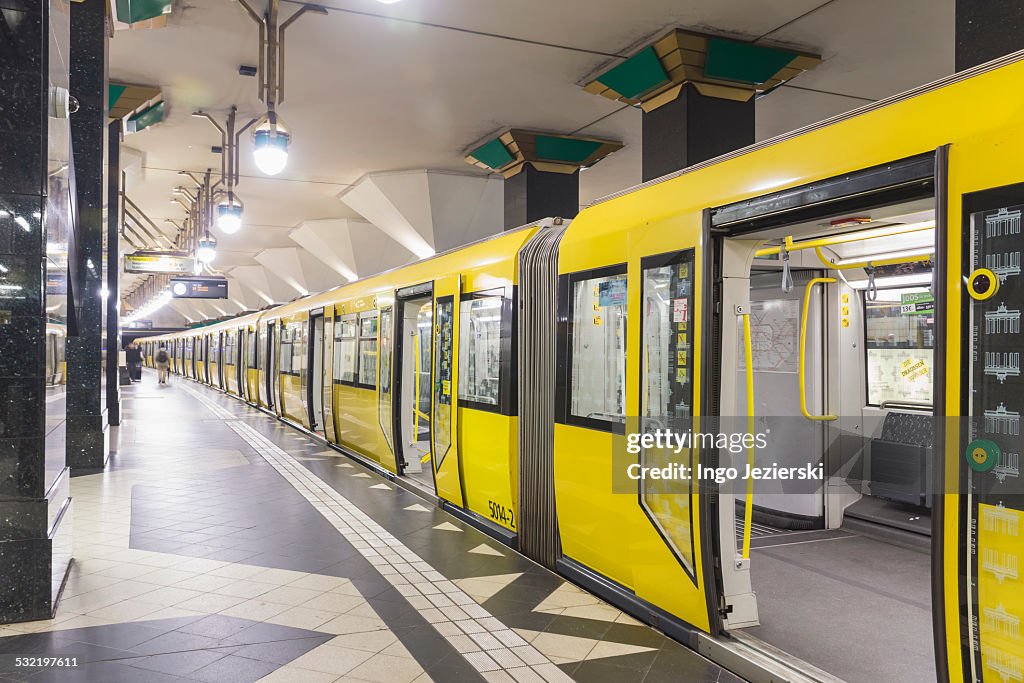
(982, 455)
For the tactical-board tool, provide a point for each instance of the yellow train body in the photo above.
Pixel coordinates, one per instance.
(607, 532)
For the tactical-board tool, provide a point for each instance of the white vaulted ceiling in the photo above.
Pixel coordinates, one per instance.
(374, 88)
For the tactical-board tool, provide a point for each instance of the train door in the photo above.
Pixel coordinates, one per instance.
(983, 557)
(242, 366)
(274, 363)
(327, 377)
(315, 370)
(413, 421)
(386, 375)
(825, 540)
(444, 416)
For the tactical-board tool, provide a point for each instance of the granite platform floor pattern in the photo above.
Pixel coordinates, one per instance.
(223, 545)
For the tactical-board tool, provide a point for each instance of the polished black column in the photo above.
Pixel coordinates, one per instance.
(693, 128)
(112, 343)
(35, 519)
(987, 29)
(88, 442)
(531, 195)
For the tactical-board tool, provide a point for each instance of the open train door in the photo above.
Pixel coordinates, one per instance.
(983, 494)
(444, 447)
(386, 376)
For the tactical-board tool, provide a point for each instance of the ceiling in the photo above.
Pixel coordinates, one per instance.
(374, 87)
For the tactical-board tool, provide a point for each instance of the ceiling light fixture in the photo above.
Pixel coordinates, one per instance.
(270, 138)
(229, 208)
(206, 252)
(229, 217)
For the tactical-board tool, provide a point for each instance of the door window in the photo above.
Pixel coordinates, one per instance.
(384, 412)
(444, 338)
(345, 350)
(666, 393)
(368, 349)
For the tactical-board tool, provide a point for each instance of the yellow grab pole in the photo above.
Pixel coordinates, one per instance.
(887, 231)
(803, 347)
(874, 262)
(748, 508)
(416, 385)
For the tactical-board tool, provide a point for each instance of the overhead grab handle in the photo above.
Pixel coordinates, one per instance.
(803, 347)
(787, 275)
(872, 291)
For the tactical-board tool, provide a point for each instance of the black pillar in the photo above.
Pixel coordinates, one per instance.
(693, 128)
(986, 30)
(35, 527)
(112, 344)
(531, 195)
(87, 437)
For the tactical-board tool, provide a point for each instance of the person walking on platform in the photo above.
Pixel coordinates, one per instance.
(133, 357)
(163, 361)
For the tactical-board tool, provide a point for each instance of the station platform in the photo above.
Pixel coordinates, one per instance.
(223, 545)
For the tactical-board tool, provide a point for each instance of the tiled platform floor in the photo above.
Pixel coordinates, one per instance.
(222, 545)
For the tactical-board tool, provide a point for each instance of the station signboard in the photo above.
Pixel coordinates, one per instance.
(199, 288)
(158, 262)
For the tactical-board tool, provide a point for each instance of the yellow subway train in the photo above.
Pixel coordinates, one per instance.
(852, 288)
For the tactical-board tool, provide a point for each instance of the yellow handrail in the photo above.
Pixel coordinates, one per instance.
(873, 262)
(803, 347)
(887, 231)
(416, 386)
(748, 508)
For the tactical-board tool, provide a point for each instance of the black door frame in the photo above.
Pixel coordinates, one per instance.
(314, 419)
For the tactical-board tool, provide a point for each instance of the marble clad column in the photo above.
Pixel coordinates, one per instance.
(88, 444)
(113, 339)
(531, 195)
(693, 128)
(541, 171)
(986, 30)
(35, 519)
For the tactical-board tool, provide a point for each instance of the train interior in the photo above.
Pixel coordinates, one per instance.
(416, 324)
(841, 332)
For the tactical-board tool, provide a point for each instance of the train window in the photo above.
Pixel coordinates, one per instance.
(480, 349)
(666, 393)
(286, 350)
(250, 349)
(597, 380)
(345, 349)
(899, 340)
(368, 349)
(441, 425)
(298, 348)
(666, 357)
(384, 415)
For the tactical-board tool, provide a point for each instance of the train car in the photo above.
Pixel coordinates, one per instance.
(852, 288)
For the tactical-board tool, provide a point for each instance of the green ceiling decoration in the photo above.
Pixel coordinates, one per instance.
(134, 11)
(114, 92)
(570, 150)
(718, 67)
(636, 76)
(493, 154)
(510, 151)
(124, 100)
(147, 117)
(729, 60)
